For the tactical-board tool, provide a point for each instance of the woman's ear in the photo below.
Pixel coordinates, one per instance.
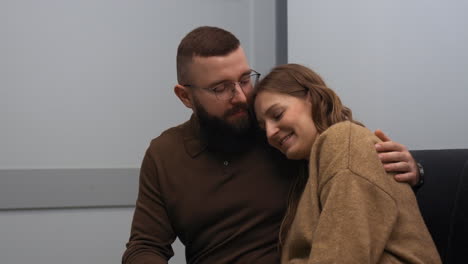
(308, 96)
(184, 95)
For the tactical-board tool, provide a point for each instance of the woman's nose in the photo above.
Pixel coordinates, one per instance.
(271, 130)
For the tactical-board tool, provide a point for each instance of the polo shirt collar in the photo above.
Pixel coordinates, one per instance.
(194, 145)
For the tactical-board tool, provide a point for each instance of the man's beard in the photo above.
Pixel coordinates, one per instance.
(222, 135)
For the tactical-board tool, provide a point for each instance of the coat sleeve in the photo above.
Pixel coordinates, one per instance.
(356, 220)
(151, 232)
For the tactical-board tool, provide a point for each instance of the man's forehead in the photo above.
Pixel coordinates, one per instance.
(227, 66)
(236, 57)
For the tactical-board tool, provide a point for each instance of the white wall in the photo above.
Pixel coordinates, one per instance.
(64, 236)
(401, 66)
(87, 84)
(72, 236)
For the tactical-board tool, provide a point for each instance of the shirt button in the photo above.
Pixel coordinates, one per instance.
(226, 163)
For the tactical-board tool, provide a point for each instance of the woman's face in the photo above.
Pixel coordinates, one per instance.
(287, 121)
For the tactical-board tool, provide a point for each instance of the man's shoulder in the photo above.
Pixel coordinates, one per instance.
(170, 137)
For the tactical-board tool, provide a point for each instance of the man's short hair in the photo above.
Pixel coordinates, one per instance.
(204, 42)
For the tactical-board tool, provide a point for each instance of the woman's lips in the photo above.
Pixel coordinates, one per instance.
(285, 139)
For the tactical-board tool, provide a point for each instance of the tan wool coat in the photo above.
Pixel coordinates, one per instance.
(352, 211)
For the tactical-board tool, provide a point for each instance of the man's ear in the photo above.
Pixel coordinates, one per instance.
(184, 95)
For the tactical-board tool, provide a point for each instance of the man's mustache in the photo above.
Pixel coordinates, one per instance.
(237, 109)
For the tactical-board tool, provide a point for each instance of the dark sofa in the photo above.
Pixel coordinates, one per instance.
(443, 200)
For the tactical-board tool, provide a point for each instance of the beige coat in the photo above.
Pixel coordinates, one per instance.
(352, 211)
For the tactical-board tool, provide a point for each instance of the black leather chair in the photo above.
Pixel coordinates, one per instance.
(443, 200)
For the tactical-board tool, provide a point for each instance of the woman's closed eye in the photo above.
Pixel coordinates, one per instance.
(277, 116)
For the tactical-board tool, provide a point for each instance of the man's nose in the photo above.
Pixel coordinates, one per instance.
(239, 94)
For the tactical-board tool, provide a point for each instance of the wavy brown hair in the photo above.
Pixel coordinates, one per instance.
(327, 110)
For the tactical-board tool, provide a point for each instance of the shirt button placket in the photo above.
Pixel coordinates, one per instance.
(225, 167)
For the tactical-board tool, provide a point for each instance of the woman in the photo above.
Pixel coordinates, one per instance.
(346, 210)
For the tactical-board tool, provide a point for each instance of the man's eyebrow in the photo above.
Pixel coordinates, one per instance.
(215, 83)
(248, 72)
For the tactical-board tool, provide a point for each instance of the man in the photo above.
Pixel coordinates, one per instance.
(213, 181)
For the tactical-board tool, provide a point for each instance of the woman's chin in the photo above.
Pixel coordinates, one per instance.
(296, 155)
(292, 155)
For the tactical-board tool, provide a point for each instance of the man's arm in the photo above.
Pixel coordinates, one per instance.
(151, 234)
(396, 158)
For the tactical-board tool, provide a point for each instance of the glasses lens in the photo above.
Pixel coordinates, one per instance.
(227, 90)
(252, 82)
(254, 78)
(225, 93)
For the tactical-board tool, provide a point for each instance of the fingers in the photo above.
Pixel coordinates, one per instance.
(397, 159)
(400, 156)
(380, 134)
(408, 177)
(401, 163)
(390, 146)
(405, 172)
(403, 167)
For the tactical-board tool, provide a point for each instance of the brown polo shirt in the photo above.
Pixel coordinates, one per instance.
(225, 208)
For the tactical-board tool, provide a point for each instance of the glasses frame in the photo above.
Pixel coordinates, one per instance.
(253, 73)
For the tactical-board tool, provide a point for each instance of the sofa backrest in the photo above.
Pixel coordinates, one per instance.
(443, 200)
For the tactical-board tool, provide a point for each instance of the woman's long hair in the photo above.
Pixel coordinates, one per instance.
(327, 109)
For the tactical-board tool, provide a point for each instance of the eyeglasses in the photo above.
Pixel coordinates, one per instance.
(225, 91)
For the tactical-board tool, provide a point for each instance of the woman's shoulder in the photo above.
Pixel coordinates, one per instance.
(347, 128)
(341, 135)
(345, 145)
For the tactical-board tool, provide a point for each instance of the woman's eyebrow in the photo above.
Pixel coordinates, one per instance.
(271, 109)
